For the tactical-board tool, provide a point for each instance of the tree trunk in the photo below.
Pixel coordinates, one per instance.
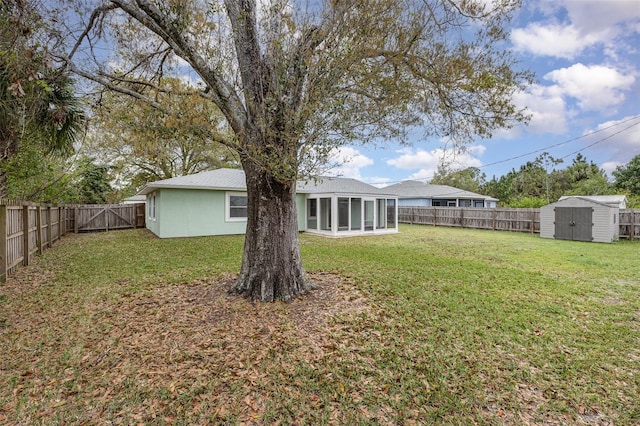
(271, 264)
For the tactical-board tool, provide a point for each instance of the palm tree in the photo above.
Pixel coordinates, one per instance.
(37, 105)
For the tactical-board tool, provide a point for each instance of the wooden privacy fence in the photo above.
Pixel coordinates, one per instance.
(500, 219)
(100, 217)
(630, 224)
(30, 228)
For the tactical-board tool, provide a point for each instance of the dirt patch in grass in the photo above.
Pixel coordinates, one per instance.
(182, 353)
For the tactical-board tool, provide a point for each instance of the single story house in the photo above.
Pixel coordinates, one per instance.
(215, 203)
(580, 219)
(134, 199)
(619, 201)
(419, 194)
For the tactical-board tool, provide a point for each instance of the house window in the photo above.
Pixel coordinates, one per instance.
(312, 213)
(236, 207)
(465, 203)
(443, 203)
(478, 203)
(152, 206)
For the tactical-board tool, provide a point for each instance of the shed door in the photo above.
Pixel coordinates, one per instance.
(574, 223)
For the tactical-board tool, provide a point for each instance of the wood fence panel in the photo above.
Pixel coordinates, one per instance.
(44, 227)
(32, 232)
(14, 237)
(503, 219)
(630, 224)
(141, 214)
(26, 229)
(55, 224)
(91, 218)
(500, 219)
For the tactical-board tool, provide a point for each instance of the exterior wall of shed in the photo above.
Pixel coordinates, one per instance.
(605, 219)
(547, 219)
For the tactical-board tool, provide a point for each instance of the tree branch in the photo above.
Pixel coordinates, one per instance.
(109, 85)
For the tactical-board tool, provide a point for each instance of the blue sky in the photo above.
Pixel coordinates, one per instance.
(586, 56)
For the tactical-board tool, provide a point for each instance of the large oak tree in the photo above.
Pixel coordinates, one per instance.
(294, 79)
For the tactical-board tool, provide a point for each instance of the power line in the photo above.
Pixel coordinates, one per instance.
(553, 146)
(601, 140)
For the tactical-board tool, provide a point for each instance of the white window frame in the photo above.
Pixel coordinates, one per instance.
(152, 206)
(227, 207)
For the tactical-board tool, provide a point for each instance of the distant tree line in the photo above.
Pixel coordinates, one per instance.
(542, 181)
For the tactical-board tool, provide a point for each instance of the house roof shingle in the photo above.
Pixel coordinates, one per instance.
(613, 200)
(234, 180)
(417, 189)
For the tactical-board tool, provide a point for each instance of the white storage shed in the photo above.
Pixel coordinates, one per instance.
(580, 219)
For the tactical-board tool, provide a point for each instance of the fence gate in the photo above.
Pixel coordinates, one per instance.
(573, 223)
(106, 217)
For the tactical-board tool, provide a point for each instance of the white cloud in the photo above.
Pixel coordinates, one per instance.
(546, 107)
(621, 139)
(552, 40)
(596, 87)
(348, 162)
(585, 24)
(426, 162)
(610, 166)
(598, 15)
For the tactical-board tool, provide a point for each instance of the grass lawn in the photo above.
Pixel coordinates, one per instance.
(432, 325)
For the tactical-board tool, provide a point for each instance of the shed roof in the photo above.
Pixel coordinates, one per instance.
(234, 180)
(417, 189)
(613, 200)
(588, 200)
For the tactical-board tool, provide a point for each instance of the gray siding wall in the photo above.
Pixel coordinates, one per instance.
(605, 228)
(547, 217)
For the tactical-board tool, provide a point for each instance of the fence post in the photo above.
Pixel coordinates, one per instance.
(106, 218)
(49, 230)
(462, 217)
(39, 228)
(3, 243)
(59, 222)
(64, 230)
(495, 213)
(26, 239)
(75, 219)
(632, 230)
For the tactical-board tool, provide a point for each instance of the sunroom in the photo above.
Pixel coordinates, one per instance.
(344, 207)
